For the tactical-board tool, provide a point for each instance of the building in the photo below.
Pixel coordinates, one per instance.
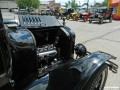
(54, 5)
(49, 5)
(44, 5)
(7, 4)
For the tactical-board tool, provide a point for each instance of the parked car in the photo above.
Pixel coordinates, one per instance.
(23, 11)
(38, 54)
(83, 15)
(14, 10)
(101, 14)
(68, 13)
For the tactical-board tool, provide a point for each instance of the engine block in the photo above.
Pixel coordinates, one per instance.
(46, 52)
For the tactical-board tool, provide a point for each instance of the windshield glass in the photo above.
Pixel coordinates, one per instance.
(101, 10)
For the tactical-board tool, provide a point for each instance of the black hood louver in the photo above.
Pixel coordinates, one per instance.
(37, 21)
(31, 21)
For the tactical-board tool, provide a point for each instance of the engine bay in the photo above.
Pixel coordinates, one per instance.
(47, 48)
(46, 58)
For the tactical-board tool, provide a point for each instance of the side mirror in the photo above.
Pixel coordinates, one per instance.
(80, 50)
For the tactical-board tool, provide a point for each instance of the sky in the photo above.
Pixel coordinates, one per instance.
(80, 2)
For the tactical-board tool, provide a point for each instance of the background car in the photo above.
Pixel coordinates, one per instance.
(101, 14)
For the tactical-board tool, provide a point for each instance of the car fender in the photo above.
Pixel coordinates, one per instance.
(89, 64)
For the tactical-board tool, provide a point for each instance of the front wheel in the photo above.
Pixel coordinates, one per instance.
(67, 17)
(98, 80)
(57, 17)
(101, 21)
(85, 19)
(74, 17)
(90, 21)
(110, 20)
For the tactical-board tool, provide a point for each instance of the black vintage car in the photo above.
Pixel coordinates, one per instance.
(68, 13)
(38, 54)
(101, 14)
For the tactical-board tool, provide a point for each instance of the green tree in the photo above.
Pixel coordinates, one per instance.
(35, 3)
(72, 3)
(28, 3)
(85, 4)
(20, 3)
(98, 4)
(104, 3)
(66, 5)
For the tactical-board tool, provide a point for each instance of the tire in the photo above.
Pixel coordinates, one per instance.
(98, 80)
(110, 20)
(57, 17)
(74, 18)
(85, 19)
(67, 17)
(101, 21)
(90, 21)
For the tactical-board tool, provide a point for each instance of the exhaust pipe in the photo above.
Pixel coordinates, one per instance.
(1, 21)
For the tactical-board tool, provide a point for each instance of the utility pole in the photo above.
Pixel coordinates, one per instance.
(54, 1)
(87, 5)
(94, 2)
(79, 3)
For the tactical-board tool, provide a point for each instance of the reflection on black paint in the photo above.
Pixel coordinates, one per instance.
(1, 20)
(21, 38)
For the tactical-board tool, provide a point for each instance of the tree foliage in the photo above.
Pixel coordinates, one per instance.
(98, 4)
(67, 4)
(104, 3)
(85, 4)
(72, 3)
(28, 3)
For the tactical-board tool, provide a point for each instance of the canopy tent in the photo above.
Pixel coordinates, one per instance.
(116, 6)
(115, 2)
